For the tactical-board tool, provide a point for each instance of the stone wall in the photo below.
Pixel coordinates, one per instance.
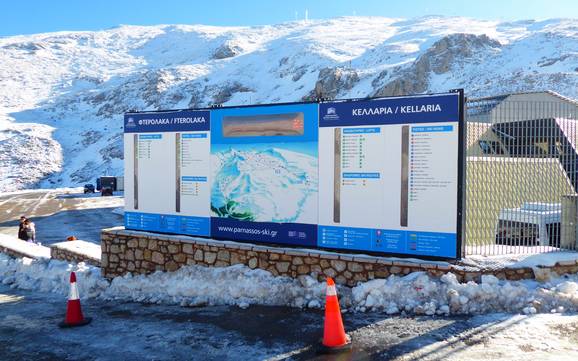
(19, 249)
(15, 253)
(141, 253)
(76, 251)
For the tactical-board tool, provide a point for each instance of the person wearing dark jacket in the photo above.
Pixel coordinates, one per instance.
(22, 229)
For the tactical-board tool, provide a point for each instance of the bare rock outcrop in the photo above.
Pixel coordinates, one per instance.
(225, 92)
(332, 81)
(438, 59)
(227, 50)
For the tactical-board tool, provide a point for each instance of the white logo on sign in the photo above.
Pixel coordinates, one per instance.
(331, 114)
(130, 123)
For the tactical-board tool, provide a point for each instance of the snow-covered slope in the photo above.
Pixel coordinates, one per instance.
(62, 95)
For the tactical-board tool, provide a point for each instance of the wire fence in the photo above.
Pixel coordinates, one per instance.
(521, 175)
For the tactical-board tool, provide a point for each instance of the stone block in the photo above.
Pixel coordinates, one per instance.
(180, 258)
(329, 272)
(199, 255)
(143, 242)
(297, 261)
(340, 280)
(173, 248)
(310, 260)
(316, 268)
(158, 258)
(354, 267)
(133, 243)
(224, 255)
(171, 266)
(360, 277)
(338, 265)
(303, 269)
(237, 258)
(274, 256)
(188, 248)
(282, 267)
(138, 254)
(148, 255)
(153, 245)
(210, 257)
(114, 249)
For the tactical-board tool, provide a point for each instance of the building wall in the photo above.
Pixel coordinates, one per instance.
(494, 183)
(533, 106)
(477, 132)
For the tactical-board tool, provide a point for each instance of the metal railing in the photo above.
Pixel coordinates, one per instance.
(521, 175)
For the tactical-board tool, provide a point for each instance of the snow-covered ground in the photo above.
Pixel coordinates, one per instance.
(63, 95)
(33, 294)
(131, 331)
(60, 213)
(416, 293)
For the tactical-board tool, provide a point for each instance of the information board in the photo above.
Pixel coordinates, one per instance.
(167, 172)
(265, 174)
(377, 175)
(388, 176)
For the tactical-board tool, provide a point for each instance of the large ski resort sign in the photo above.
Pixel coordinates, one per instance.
(377, 175)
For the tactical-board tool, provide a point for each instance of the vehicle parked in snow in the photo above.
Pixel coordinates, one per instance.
(532, 224)
(89, 188)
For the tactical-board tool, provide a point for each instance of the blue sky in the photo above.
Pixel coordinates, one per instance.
(35, 16)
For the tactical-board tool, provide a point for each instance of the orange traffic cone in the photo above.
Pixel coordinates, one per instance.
(334, 337)
(74, 315)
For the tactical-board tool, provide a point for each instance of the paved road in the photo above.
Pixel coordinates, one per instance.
(132, 331)
(59, 214)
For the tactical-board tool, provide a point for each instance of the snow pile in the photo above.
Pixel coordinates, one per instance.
(25, 248)
(532, 259)
(84, 248)
(235, 285)
(416, 293)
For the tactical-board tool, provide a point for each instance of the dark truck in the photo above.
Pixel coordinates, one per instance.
(107, 185)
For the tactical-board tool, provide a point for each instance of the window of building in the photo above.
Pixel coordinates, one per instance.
(491, 147)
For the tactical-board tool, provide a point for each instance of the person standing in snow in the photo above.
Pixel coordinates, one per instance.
(21, 230)
(30, 231)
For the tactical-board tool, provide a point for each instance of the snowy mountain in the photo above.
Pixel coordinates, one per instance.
(62, 95)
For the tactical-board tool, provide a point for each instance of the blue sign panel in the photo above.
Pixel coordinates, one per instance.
(174, 121)
(403, 110)
(265, 173)
(388, 241)
(388, 175)
(164, 223)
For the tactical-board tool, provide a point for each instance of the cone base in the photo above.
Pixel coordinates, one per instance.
(84, 322)
(322, 349)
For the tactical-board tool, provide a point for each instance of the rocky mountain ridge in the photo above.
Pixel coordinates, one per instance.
(63, 95)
